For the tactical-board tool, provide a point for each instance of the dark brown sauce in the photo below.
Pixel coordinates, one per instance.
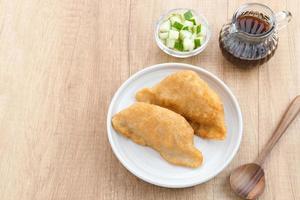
(253, 25)
(243, 63)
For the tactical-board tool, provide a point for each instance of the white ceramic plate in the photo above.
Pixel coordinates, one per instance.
(146, 163)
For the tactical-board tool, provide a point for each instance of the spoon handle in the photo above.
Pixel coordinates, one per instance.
(289, 115)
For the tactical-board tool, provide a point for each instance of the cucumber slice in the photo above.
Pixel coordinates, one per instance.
(178, 45)
(175, 14)
(174, 19)
(202, 38)
(170, 43)
(184, 34)
(165, 26)
(203, 31)
(188, 15)
(179, 16)
(190, 29)
(193, 20)
(194, 36)
(185, 28)
(188, 23)
(198, 41)
(188, 44)
(164, 35)
(178, 25)
(173, 34)
(197, 29)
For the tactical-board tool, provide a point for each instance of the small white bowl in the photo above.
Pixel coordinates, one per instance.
(200, 18)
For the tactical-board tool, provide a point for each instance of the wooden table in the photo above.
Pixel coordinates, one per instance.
(62, 60)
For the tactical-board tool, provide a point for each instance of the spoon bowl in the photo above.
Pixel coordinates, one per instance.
(248, 181)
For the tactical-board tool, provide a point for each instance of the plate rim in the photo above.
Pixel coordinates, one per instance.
(154, 67)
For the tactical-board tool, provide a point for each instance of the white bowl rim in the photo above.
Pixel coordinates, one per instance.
(191, 67)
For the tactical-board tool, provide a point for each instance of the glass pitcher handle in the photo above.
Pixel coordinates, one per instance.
(283, 18)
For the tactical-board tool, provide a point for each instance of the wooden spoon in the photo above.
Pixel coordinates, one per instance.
(248, 181)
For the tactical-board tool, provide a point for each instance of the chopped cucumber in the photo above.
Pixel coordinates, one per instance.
(178, 45)
(203, 31)
(188, 44)
(194, 36)
(197, 29)
(198, 41)
(170, 43)
(188, 15)
(188, 23)
(173, 34)
(185, 28)
(191, 29)
(165, 26)
(178, 25)
(193, 20)
(174, 19)
(182, 17)
(176, 14)
(184, 34)
(163, 35)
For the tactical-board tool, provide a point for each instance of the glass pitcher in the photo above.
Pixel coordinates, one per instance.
(252, 35)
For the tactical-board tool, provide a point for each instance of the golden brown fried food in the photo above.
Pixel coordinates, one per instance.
(161, 129)
(187, 94)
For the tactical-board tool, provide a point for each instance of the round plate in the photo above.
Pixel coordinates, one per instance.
(145, 162)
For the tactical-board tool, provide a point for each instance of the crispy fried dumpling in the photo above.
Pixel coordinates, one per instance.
(161, 129)
(187, 94)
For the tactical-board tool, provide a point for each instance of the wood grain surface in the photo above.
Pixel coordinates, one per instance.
(288, 117)
(62, 60)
